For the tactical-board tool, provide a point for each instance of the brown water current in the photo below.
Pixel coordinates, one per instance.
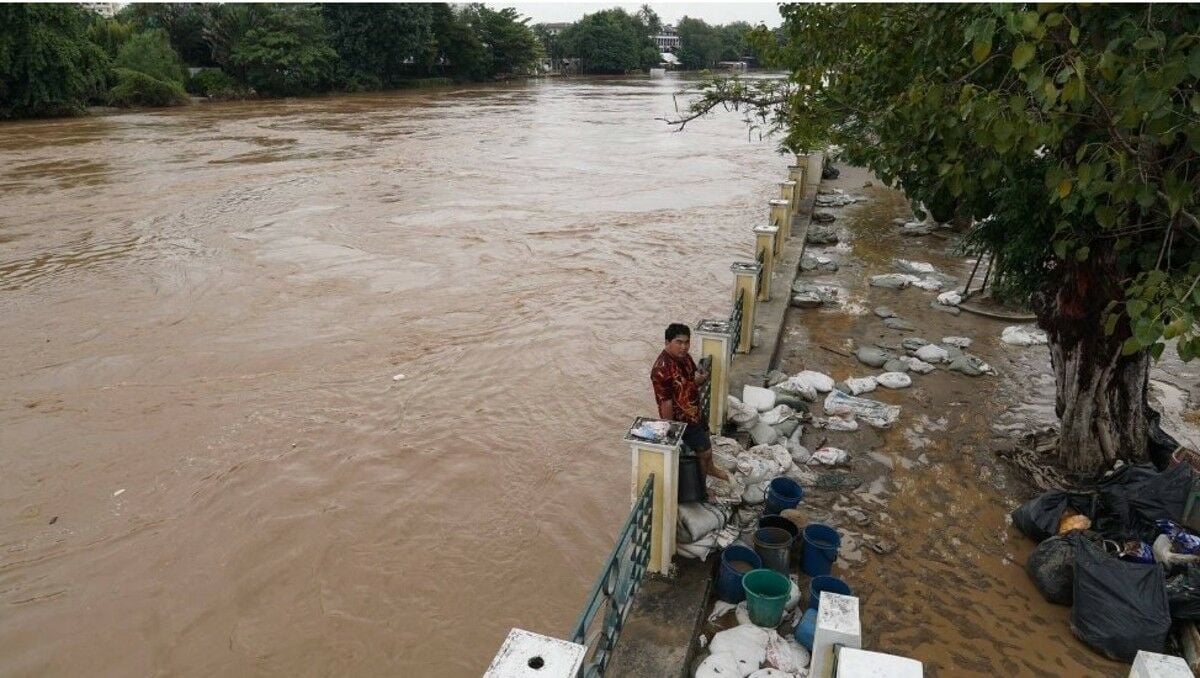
(210, 464)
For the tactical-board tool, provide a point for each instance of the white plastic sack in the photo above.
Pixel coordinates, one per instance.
(700, 549)
(917, 365)
(719, 665)
(785, 654)
(741, 414)
(835, 422)
(742, 614)
(800, 453)
(698, 520)
(746, 642)
(770, 673)
(894, 380)
(932, 353)
(873, 412)
(725, 491)
(752, 469)
(951, 298)
(793, 597)
(929, 284)
(821, 383)
(914, 267)
(830, 456)
(776, 415)
(961, 342)
(761, 399)
(795, 389)
(1017, 335)
(756, 493)
(720, 609)
(859, 385)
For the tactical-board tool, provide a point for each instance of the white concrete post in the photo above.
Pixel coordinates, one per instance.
(853, 663)
(837, 626)
(816, 163)
(781, 218)
(525, 654)
(765, 238)
(715, 337)
(745, 286)
(796, 174)
(660, 458)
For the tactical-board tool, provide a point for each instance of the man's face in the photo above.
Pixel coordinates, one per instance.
(678, 347)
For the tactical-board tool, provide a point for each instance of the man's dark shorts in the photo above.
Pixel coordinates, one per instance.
(695, 436)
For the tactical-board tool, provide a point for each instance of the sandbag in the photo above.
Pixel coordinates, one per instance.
(1183, 594)
(761, 399)
(1039, 517)
(698, 520)
(894, 380)
(1051, 566)
(719, 665)
(821, 383)
(1136, 496)
(1119, 607)
(746, 642)
(860, 385)
(873, 412)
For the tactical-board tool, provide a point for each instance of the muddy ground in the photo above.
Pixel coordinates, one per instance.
(954, 593)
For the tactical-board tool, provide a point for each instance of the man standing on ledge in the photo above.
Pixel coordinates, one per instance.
(676, 390)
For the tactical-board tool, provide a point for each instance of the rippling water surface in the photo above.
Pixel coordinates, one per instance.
(208, 467)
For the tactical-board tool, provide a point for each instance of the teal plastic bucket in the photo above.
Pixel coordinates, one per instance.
(821, 544)
(766, 595)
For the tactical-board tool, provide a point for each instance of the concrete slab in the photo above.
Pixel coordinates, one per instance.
(659, 637)
(752, 368)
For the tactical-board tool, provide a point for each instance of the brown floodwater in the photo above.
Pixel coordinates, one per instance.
(210, 462)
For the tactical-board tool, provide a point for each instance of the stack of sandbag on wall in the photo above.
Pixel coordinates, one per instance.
(702, 529)
(1095, 553)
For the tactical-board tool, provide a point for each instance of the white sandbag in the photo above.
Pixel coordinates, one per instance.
(859, 385)
(960, 342)
(951, 298)
(698, 520)
(896, 281)
(761, 399)
(1017, 335)
(776, 415)
(753, 469)
(800, 453)
(917, 365)
(746, 642)
(894, 380)
(742, 614)
(830, 456)
(725, 491)
(720, 609)
(741, 414)
(914, 267)
(821, 383)
(700, 549)
(787, 655)
(873, 412)
(777, 453)
(719, 665)
(770, 673)
(795, 389)
(762, 434)
(929, 284)
(755, 493)
(793, 597)
(933, 354)
(835, 422)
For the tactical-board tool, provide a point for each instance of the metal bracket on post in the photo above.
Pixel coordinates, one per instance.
(781, 218)
(765, 238)
(714, 338)
(745, 299)
(658, 458)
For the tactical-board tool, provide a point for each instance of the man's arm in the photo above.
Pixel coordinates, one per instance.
(663, 394)
(666, 409)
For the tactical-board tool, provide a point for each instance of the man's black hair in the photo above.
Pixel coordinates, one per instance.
(676, 330)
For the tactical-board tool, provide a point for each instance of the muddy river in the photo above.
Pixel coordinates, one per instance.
(337, 386)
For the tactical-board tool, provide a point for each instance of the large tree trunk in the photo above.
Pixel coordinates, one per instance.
(1100, 394)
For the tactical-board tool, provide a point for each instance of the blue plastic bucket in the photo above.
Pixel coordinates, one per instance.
(783, 493)
(821, 544)
(806, 629)
(824, 583)
(736, 561)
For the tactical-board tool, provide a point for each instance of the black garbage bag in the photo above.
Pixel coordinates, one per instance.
(1183, 594)
(1120, 607)
(1038, 518)
(1051, 566)
(1136, 496)
(1160, 445)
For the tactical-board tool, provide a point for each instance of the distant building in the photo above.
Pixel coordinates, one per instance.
(556, 28)
(105, 9)
(668, 40)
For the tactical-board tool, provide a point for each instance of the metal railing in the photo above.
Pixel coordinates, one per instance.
(706, 394)
(620, 577)
(735, 320)
(762, 256)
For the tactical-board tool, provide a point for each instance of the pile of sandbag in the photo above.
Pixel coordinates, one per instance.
(749, 651)
(1095, 554)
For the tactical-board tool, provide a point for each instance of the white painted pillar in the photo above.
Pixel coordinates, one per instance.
(660, 458)
(715, 338)
(765, 238)
(745, 287)
(525, 654)
(837, 625)
(781, 218)
(853, 663)
(796, 174)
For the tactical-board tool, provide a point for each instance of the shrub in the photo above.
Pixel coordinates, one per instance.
(216, 84)
(135, 88)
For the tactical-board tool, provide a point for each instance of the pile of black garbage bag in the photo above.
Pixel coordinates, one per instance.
(1123, 596)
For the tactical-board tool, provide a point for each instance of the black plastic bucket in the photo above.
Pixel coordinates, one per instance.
(691, 480)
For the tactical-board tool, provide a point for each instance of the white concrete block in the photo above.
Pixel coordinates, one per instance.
(837, 624)
(1154, 665)
(863, 664)
(531, 655)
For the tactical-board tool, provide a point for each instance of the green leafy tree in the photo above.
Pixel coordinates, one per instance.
(184, 25)
(510, 44)
(458, 51)
(610, 41)
(148, 72)
(700, 45)
(1069, 133)
(225, 28)
(552, 47)
(650, 20)
(48, 66)
(287, 53)
(734, 40)
(382, 42)
(110, 35)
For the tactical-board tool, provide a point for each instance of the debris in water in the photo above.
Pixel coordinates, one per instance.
(119, 492)
(398, 377)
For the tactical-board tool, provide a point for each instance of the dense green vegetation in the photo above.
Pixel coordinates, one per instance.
(611, 41)
(1068, 134)
(58, 59)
